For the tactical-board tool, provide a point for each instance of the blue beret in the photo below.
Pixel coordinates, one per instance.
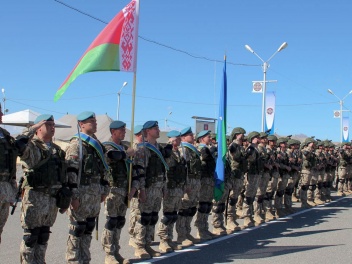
(150, 124)
(203, 133)
(45, 117)
(117, 124)
(137, 129)
(173, 133)
(85, 115)
(185, 131)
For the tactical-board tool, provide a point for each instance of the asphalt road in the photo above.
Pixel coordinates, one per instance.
(318, 235)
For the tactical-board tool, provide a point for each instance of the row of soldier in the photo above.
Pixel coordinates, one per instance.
(177, 178)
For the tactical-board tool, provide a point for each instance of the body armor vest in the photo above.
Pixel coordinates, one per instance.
(177, 174)
(155, 170)
(51, 170)
(92, 166)
(308, 159)
(118, 176)
(194, 165)
(8, 154)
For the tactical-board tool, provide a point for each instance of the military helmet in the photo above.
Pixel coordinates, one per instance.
(252, 135)
(291, 142)
(272, 138)
(263, 135)
(282, 140)
(237, 130)
(309, 140)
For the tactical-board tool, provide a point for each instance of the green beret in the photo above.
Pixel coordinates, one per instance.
(150, 124)
(137, 129)
(252, 135)
(117, 124)
(85, 115)
(44, 117)
(173, 133)
(186, 131)
(263, 135)
(203, 133)
(272, 138)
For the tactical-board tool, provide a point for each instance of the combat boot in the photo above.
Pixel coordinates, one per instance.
(339, 193)
(305, 205)
(152, 252)
(204, 235)
(280, 213)
(318, 201)
(219, 231)
(184, 241)
(132, 243)
(110, 259)
(121, 259)
(269, 216)
(247, 222)
(192, 238)
(258, 220)
(141, 253)
(173, 245)
(232, 224)
(164, 246)
(311, 203)
(295, 199)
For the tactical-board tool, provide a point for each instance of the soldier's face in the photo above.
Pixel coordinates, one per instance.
(119, 133)
(47, 130)
(189, 138)
(255, 140)
(154, 132)
(89, 126)
(206, 140)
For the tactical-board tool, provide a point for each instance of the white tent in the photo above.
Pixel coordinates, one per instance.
(26, 118)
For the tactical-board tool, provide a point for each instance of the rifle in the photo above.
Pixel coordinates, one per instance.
(18, 195)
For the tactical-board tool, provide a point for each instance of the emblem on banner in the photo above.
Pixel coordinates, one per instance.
(269, 111)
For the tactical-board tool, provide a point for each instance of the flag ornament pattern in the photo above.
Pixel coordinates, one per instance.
(114, 49)
(221, 138)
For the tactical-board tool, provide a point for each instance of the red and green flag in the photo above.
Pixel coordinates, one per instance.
(221, 138)
(114, 49)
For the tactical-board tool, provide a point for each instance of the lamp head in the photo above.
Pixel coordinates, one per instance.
(283, 46)
(249, 48)
(124, 84)
(332, 92)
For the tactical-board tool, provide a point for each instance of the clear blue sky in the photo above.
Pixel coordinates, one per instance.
(41, 41)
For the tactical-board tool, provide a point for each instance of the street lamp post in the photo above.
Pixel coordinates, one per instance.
(341, 104)
(166, 120)
(118, 100)
(4, 99)
(265, 68)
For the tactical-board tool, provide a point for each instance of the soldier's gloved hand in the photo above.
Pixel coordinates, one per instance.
(75, 204)
(142, 196)
(232, 148)
(167, 151)
(130, 152)
(21, 143)
(205, 152)
(116, 155)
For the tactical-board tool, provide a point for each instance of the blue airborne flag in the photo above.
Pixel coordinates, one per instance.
(221, 138)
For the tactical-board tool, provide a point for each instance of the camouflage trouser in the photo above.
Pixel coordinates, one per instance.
(115, 211)
(312, 185)
(261, 191)
(188, 207)
(281, 186)
(82, 224)
(251, 185)
(342, 174)
(38, 214)
(321, 177)
(328, 183)
(4, 214)
(271, 189)
(348, 186)
(144, 216)
(290, 187)
(206, 195)
(232, 189)
(171, 205)
(305, 180)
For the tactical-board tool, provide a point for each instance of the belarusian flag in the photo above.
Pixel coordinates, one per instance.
(115, 48)
(221, 138)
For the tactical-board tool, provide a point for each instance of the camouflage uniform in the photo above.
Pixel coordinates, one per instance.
(342, 170)
(347, 186)
(150, 171)
(234, 177)
(173, 192)
(321, 175)
(88, 189)
(206, 193)
(330, 168)
(116, 202)
(283, 161)
(44, 171)
(272, 184)
(190, 199)
(308, 162)
(8, 155)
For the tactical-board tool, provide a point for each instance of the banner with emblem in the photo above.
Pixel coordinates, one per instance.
(270, 111)
(257, 87)
(337, 114)
(345, 128)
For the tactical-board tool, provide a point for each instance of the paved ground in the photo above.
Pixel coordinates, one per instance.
(318, 235)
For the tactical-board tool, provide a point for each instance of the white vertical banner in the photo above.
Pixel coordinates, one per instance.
(270, 111)
(345, 129)
(257, 87)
